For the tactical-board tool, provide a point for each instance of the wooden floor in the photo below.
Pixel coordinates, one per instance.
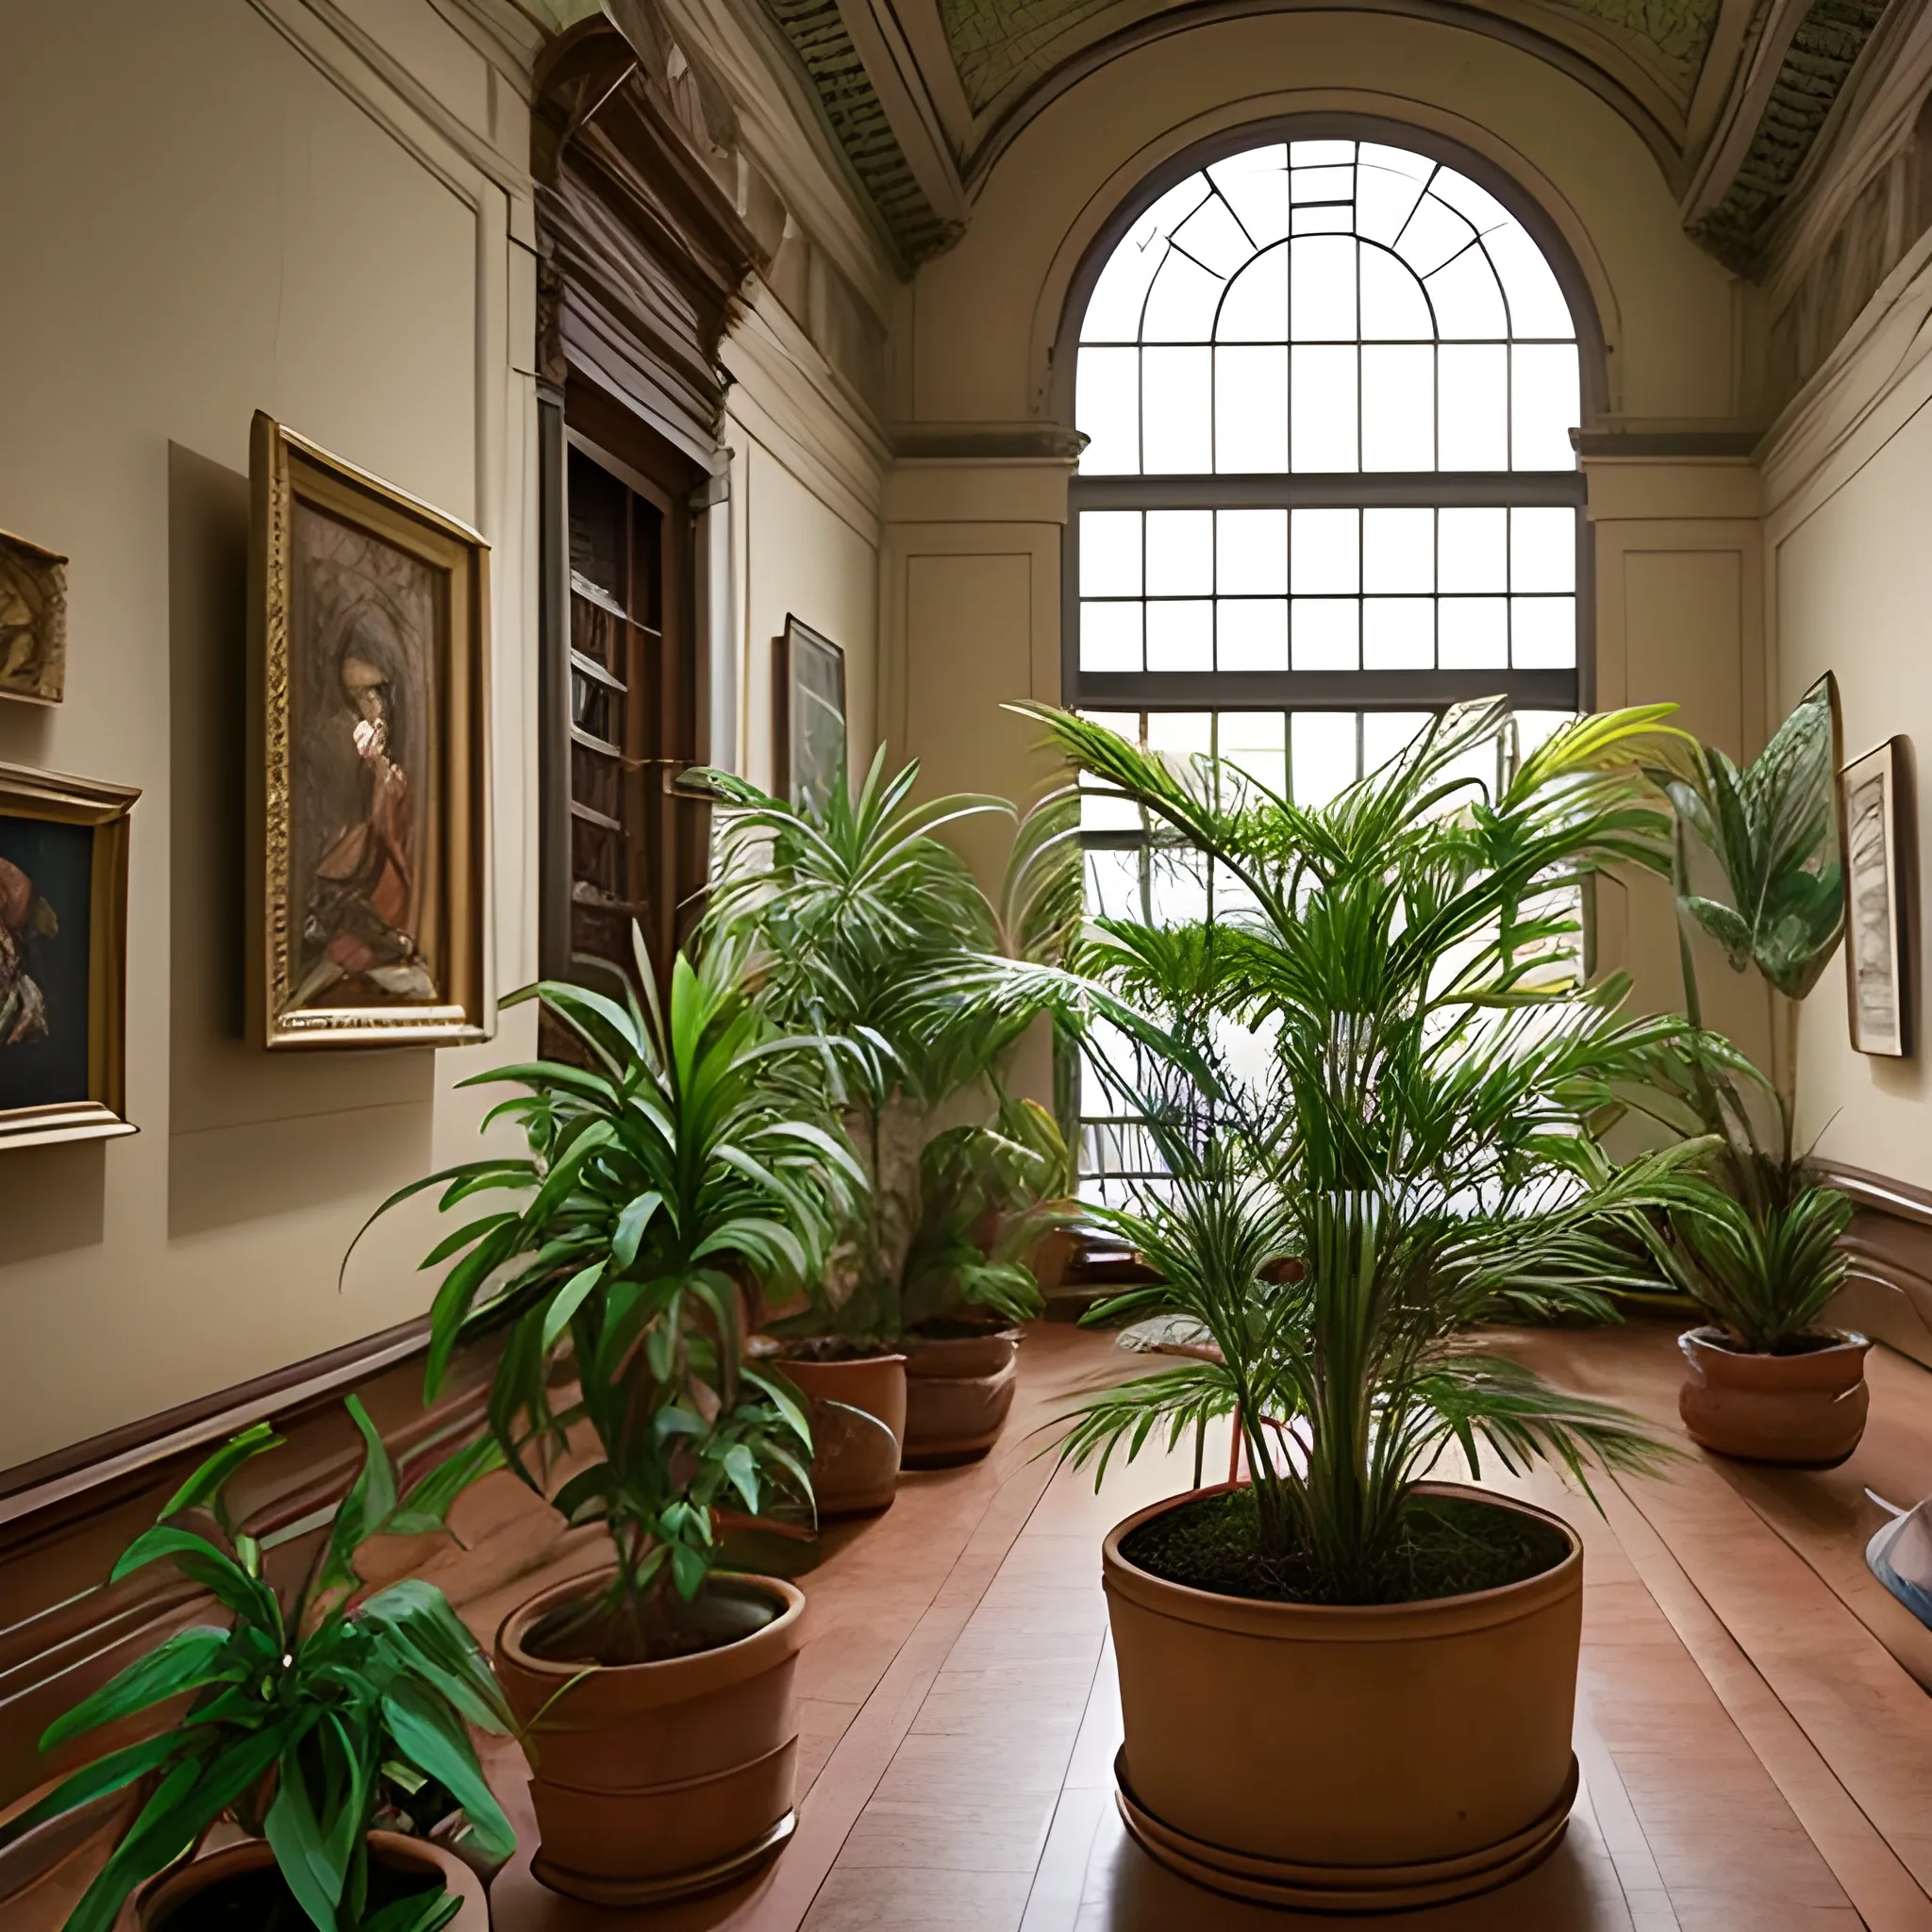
(1756, 1743)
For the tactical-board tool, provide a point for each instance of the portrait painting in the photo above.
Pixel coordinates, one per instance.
(33, 622)
(1878, 988)
(810, 685)
(370, 707)
(63, 894)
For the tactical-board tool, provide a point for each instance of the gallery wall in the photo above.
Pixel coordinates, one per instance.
(249, 212)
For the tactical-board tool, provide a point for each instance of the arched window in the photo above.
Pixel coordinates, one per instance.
(1328, 387)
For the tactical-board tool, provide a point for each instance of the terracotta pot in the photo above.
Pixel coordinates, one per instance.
(857, 1428)
(1341, 1759)
(958, 1395)
(149, 1909)
(653, 1781)
(1807, 1411)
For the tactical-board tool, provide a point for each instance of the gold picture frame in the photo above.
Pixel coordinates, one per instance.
(1875, 808)
(63, 955)
(368, 773)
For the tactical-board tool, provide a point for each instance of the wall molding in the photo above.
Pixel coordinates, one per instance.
(1890, 1243)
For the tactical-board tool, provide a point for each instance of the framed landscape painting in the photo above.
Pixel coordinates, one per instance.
(810, 687)
(370, 712)
(63, 957)
(1873, 805)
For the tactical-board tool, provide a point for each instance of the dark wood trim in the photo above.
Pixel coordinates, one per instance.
(1683, 446)
(1890, 1243)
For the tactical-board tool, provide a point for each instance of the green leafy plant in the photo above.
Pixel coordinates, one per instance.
(861, 923)
(302, 1708)
(1757, 864)
(1420, 1157)
(692, 1158)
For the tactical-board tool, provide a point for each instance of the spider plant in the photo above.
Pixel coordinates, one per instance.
(1422, 1147)
(690, 1158)
(863, 924)
(1757, 864)
(302, 1707)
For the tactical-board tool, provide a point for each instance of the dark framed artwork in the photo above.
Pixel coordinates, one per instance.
(63, 957)
(1875, 802)
(33, 622)
(810, 715)
(368, 707)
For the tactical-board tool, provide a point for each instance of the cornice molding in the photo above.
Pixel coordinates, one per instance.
(1001, 442)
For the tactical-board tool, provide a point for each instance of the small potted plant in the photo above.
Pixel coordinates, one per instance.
(1759, 868)
(865, 925)
(1348, 1685)
(317, 1708)
(689, 1158)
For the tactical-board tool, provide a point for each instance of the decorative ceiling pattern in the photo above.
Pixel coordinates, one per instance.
(1791, 63)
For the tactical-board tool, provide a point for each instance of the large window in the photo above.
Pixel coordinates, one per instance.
(1329, 387)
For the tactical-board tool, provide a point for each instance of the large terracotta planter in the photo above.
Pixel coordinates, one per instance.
(1341, 1759)
(857, 1428)
(959, 1391)
(653, 1781)
(161, 1898)
(1805, 1411)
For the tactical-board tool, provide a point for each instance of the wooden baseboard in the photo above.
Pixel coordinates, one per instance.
(1890, 1293)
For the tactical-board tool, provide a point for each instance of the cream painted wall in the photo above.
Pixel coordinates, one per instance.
(1850, 578)
(211, 208)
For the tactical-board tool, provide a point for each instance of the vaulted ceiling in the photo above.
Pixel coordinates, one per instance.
(1731, 96)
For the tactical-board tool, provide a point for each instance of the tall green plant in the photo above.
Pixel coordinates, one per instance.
(863, 924)
(1759, 866)
(1423, 1146)
(301, 1707)
(690, 1158)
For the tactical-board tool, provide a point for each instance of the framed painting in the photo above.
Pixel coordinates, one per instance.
(33, 622)
(368, 707)
(63, 957)
(1874, 804)
(810, 715)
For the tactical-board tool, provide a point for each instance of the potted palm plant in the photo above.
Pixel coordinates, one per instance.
(315, 1709)
(865, 925)
(1348, 1685)
(690, 1158)
(1759, 866)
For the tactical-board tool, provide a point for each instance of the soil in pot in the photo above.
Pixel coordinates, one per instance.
(1430, 1753)
(593, 1630)
(960, 1377)
(1447, 1546)
(241, 1889)
(1802, 1408)
(856, 1395)
(656, 1779)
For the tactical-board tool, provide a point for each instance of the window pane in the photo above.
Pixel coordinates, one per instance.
(1213, 236)
(1467, 301)
(1111, 552)
(1256, 307)
(1323, 744)
(1324, 547)
(1322, 184)
(1398, 550)
(1180, 635)
(1106, 409)
(1326, 634)
(1385, 733)
(1180, 553)
(1433, 233)
(1181, 303)
(1398, 633)
(1542, 549)
(1174, 392)
(1111, 637)
(1473, 406)
(1253, 633)
(1256, 185)
(1543, 407)
(1472, 633)
(1251, 410)
(1257, 742)
(1537, 307)
(1322, 288)
(1113, 885)
(1474, 549)
(1384, 199)
(1543, 633)
(1322, 426)
(1398, 408)
(1394, 308)
(1251, 555)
